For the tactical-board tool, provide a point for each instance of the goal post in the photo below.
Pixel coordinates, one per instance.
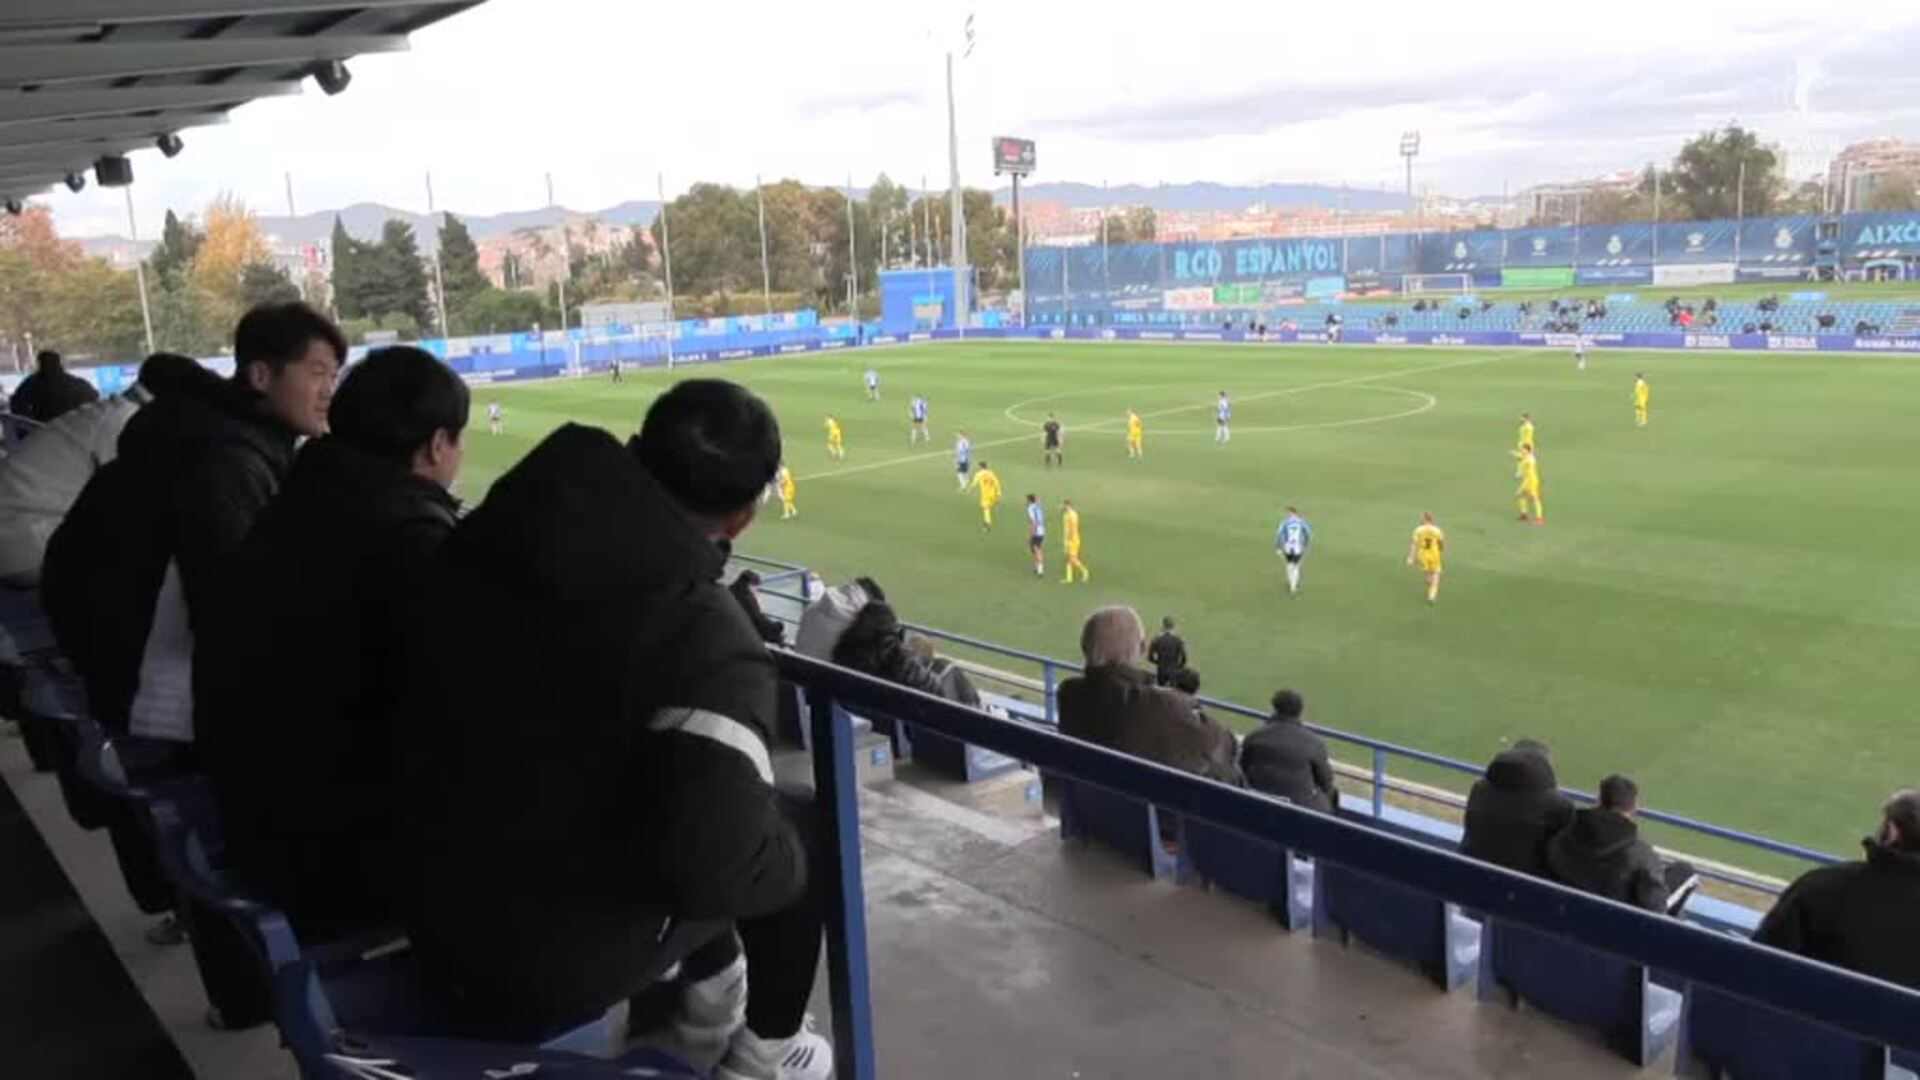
(1431, 284)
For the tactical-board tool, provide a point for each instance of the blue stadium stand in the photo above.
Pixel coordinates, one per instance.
(1723, 1036)
(1251, 868)
(1139, 832)
(1402, 922)
(1584, 986)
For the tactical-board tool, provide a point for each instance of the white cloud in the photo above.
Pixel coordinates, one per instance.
(604, 95)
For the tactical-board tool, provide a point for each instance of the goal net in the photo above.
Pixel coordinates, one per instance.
(1429, 284)
(599, 350)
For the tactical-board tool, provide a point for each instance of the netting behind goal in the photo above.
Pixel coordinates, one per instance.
(1416, 284)
(648, 345)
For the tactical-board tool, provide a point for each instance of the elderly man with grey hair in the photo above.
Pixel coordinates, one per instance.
(1115, 704)
(1865, 915)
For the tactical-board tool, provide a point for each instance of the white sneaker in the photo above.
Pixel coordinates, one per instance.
(805, 1055)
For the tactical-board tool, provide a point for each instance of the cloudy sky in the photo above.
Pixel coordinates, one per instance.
(604, 94)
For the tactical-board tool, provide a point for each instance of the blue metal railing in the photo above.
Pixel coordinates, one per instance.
(1863, 1007)
(1379, 753)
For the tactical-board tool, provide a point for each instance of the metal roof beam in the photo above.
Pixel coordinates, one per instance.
(18, 107)
(13, 156)
(60, 132)
(38, 14)
(24, 65)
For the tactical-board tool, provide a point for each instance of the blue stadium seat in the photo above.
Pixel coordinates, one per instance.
(1403, 923)
(1255, 869)
(1127, 825)
(325, 1050)
(1579, 985)
(1724, 1036)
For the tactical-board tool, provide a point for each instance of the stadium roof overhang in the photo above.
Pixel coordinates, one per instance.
(87, 80)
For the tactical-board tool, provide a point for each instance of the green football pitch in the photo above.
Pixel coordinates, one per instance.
(1724, 604)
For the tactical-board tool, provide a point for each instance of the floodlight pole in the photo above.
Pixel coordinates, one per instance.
(958, 251)
(439, 279)
(566, 259)
(766, 269)
(1410, 149)
(139, 273)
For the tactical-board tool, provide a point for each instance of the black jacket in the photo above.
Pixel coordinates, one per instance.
(1601, 852)
(1857, 915)
(1167, 654)
(1513, 811)
(47, 395)
(194, 469)
(586, 742)
(296, 692)
(1284, 758)
(1119, 707)
(875, 643)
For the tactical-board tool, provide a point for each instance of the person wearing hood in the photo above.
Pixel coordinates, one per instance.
(1515, 809)
(875, 643)
(1601, 852)
(42, 477)
(588, 795)
(1859, 915)
(330, 569)
(136, 567)
(51, 391)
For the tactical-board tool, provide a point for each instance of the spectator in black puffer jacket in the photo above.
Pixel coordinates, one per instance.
(306, 788)
(1515, 809)
(876, 644)
(1859, 915)
(1284, 758)
(51, 391)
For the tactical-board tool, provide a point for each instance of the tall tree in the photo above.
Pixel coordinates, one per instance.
(716, 240)
(1893, 191)
(1705, 177)
(265, 283)
(887, 205)
(1810, 197)
(460, 272)
(352, 264)
(179, 243)
(232, 241)
(397, 281)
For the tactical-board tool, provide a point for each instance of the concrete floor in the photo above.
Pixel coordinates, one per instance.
(998, 951)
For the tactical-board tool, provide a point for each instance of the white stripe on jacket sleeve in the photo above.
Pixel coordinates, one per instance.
(724, 730)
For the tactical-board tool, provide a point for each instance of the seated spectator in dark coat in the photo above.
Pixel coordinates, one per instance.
(1115, 704)
(875, 643)
(136, 569)
(1860, 915)
(306, 787)
(51, 391)
(590, 798)
(1601, 852)
(1515, 809)
(1283, 758)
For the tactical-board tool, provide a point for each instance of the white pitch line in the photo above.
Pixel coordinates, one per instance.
(907, 459)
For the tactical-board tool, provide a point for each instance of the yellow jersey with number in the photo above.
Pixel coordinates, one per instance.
(833, 431)
(786, 484)
(1528, 472)
(1642, 393)
(1429, 546)
(989, 486)
(1070, 528)
(1135, 428)
(1526, 435)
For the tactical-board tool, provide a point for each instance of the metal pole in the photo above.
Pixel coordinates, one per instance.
(666, 264)
(1020, 250)
(853, 259)
(439, 281)
(140, 274)
(926, 215)
(766, 271)
(958, 252)
(1656, 215)
(566, 258)
(300, 284)
(1739, 210)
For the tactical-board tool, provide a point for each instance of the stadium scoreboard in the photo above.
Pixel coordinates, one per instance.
(1012, 156)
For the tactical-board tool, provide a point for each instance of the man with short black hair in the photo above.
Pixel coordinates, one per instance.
(1515, 809)
(137, 566)
(51, 391)
(1167, 654)
(330, 570)
(1601, 852)
(1282, 757)
(1860, 915)
(589, 796)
